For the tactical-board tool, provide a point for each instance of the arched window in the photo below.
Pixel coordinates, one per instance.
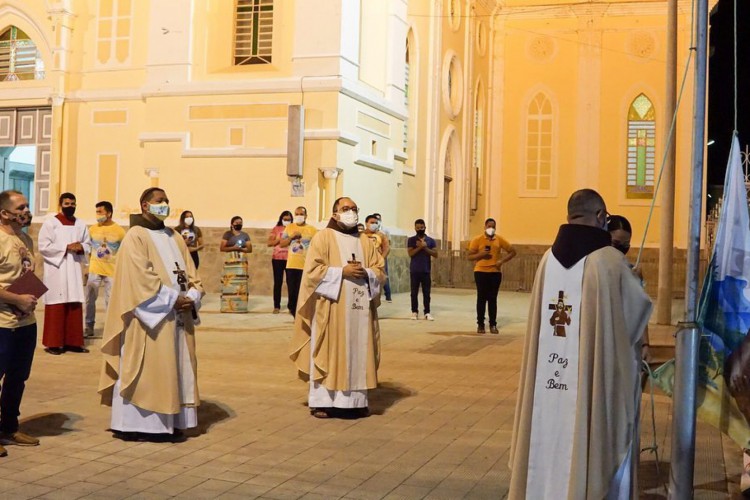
(19, 57)
(477, 148)
(641, 148)
(539, 144)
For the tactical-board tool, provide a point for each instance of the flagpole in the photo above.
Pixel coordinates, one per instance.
(688, 336)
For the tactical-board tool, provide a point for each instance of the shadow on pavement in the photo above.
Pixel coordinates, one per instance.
(48, 424)
(386, 395)
(210, 413)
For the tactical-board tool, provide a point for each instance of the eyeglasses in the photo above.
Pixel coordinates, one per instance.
(349, 209)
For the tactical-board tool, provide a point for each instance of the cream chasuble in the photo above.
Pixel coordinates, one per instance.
(127, 417)
(149, 371)
(355, 296)
(575, 423)
(336, 342)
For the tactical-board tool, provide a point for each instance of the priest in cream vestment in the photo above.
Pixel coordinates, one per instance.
(336, 342)
(149, 373)
(575, 428)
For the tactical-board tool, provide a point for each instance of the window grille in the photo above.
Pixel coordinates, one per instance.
(253, 32)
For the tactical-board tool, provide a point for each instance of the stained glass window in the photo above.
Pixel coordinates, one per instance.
(539, 144)
(641, 148)
(253, 32)
(19, 57)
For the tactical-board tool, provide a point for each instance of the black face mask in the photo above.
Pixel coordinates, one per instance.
(68, 211)
(623, 248)
(420, 232)
(237, 227)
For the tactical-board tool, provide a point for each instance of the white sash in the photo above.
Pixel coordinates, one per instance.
(556, 386)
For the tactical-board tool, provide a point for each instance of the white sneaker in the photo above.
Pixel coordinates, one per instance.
(429, 317)
(414, 316)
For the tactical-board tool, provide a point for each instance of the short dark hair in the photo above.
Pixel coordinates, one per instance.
(585, 202)
(231, 222)
(5, 197)
(66, 196)
(371, 216)
(616, 222)
(107, 206)
(378, 215)
(148, 194)
(419, 221)
(488, 220)
(303, 208)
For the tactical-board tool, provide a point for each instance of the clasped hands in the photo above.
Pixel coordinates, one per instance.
(354, 271)
(74, 247)
(183, 304)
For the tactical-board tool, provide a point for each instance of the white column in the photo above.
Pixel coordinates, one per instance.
(589, 90)
(326, 38)
(170, 42)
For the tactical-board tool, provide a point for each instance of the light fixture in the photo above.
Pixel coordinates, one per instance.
(710, 142)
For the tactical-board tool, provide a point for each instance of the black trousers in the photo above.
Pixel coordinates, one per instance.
(425, 280)
(278, 280)
(16, 354)
(488, 285)
(196, 259)
(293, 281)
(387, 286)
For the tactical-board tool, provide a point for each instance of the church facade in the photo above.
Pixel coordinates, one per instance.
(447, 110)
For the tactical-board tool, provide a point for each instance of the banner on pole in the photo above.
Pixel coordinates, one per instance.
(724, 316)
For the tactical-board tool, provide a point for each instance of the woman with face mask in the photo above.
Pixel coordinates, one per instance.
(621, 232)
(279, 257)
(191, 234)
(235, 243)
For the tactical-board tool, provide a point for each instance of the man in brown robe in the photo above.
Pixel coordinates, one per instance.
(590, 455)
(149, 372)
(336, 342)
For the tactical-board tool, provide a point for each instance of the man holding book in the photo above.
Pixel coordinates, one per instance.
(17, 321)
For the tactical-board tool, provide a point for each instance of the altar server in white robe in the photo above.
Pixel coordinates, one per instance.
(336, 342)
(64, 243)
(574, 430)
(149, 376)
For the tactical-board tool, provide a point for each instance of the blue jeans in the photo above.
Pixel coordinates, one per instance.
(16, 354)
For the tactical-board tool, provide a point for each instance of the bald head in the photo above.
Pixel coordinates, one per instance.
(587, 207)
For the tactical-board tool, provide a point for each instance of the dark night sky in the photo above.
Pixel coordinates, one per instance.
(721, 83)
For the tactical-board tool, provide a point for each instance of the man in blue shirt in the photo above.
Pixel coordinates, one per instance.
(421, 249)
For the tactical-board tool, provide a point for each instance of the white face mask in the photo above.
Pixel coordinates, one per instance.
(159, 210)
(102, 219)
(349, 219)
(490, 231)
(373, 227)
(188, 221)
(299, 219)
(285, 223)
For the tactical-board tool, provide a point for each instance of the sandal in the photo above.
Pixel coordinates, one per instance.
(319, 413)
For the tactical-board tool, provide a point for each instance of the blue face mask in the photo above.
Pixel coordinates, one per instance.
(159, 210)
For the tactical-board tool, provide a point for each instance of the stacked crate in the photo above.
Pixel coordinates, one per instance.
(234, 281)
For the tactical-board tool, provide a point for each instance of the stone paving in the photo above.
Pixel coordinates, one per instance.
(440, 426)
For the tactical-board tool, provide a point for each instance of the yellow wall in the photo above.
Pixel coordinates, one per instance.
(167, 106)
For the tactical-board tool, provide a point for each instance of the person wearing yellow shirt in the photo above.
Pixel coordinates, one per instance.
(106, 236)
(297, 237)
(489, 252)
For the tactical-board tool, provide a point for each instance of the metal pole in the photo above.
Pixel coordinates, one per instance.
(666, 226)
(688, 337)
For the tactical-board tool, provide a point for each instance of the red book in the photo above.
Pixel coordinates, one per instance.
(29, 284)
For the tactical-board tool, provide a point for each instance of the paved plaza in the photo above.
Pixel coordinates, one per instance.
(440, 427)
